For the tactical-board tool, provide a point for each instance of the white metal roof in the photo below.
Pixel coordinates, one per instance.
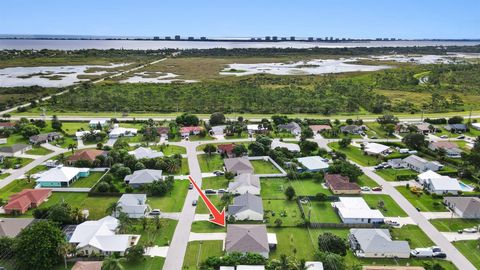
(445, 183)
(60, 174)
(313, 163)
(122, 131)
(250, 267)
(314, 265)
(356, 207)
(376, 148)
(428, 175)
(144, 152)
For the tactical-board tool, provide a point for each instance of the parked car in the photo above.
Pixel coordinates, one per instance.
(194, 203)
(17, 166)
(365, 188)
(155, 212)
(392, 223)
(470, 230)
(440, 255)
(377, 189)
(378, 167)
(219, 191)
(461, 137)
(444, 137)
(190, 186)
(218, 173)
(210, 191)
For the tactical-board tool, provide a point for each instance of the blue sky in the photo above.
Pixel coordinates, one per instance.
(215, 18)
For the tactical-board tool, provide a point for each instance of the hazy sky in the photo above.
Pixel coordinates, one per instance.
(215, 18)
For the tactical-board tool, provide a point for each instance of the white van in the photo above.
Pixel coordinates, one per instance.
(422, 252)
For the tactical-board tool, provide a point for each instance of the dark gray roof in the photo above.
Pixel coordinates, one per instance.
(415, 161)
(244, 202)
(378, 240)
(44, 136)
(292, 126)
(351, 128)
(247, 238)
(145, 176)
(13, 148)
(456, 126)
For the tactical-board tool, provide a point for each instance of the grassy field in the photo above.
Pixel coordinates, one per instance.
(199, 251)
(71, 127)
(173, 201)
(364, 180)
(210, 163)
(169, 149)
(38, 150)
(206, 226)
(274, 188)
(390, 174)
(216, 182)
(287, 211)
(148, 263)
(263, 167)
(390, 209)
(469, 249)
(454, 224)
(378, 130)
(37, 169)
(355, 154)
(88, 181)
(184, 170)
(413, 234)
(4, 175)
(152, 236)
(215, 199)
(14, 187)
(423, 202)
(321, 212)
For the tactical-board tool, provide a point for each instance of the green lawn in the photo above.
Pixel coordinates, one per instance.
(150, 236)
(210, 163)
(263, 167)
(378, 130)
(244, 135)
(215, 199)
(423, 202)
(321, 212)
(65, 141)
(287, 211)
(71, 127)
(413, 234)
(148, 263)
(274, 188)
(14, 187)
(199, 138)
(390, 174)
(206, 226)
(169, 150)
(184, 170)
(88, 181)
(469, 249)
(199, 251)
(4, 175)
(454, 224)
(355, 154)
(216, 182)
(16, 138)
(38, 150)
(174, 200)
(17, 161)
(37, 169)
(364, 180)
(390, 209)
(96, 205)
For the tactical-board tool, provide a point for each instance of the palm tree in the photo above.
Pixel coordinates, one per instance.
(124, 222)
(112, 263)
(61, 158)
(64, 249)
(283, 263)
(72, 147)
(77, 215)
(300, 265)
(114, 208)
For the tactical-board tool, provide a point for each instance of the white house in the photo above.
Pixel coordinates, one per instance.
(420, 165)
(425, 177)
(142, 177)
(254, 128)
(313, 164)
(99, 237)
(377, 243)
(376, 149)
(144, 152)
(61, 176)
(443, 185)
(246, 207)
(292, 147)
(118, 131)
(476, 126)
(245, 183)
(134, 205)
(81, 133)
(354, 210)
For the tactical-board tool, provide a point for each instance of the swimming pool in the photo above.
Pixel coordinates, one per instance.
(465, 187)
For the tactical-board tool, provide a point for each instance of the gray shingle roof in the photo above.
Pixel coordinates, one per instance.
(378, 241)
(469, 206)
(238, 165)
(245, 179)
(247, 238)
(244, 202)
(13, 148)
(292, 126)
(144, 176)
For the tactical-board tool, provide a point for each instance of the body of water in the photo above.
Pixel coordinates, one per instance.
(37, 44)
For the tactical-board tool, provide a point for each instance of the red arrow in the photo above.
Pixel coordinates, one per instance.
(218, 217)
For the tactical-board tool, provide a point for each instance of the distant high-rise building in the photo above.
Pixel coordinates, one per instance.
(310, 39)
(284, 39)
(191, 38)
(319, 39)
(203, 38)
(267, 38)
(274, 38)
(177, 37)
(168, 38)
(292, 38)
(156, 38)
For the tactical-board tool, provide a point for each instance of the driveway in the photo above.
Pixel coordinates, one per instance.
(454, 236)
(435, 215)
(202, 217)
(207, 236)
(156, 251)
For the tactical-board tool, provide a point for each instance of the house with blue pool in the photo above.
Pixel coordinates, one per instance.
(61, 176)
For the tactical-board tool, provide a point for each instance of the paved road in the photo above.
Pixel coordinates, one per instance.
(437, 237)
(15, 174)
(178, 247)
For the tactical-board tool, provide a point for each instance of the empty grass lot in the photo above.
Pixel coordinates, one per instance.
(355, 154)
(183, 169)
(169, 150)
(321, 212)
(413, 234)
(391, 208)
(216, 182)
(364, 180)
(206, 226)
(287, 211)
(172, 201)
(147, 263)
(88, 181)
(391, 174)
(454, 224)
(14, 187)
(274, 188)
(263, 167)
(38, 150)
(423, 202)
(202, 207)
(198, 251)
(71, 127)
(210, 163)
(470, 250)
(161, 237)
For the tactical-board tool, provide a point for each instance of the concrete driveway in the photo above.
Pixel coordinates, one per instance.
(207, 236)
(436, 215)
(454, 236)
